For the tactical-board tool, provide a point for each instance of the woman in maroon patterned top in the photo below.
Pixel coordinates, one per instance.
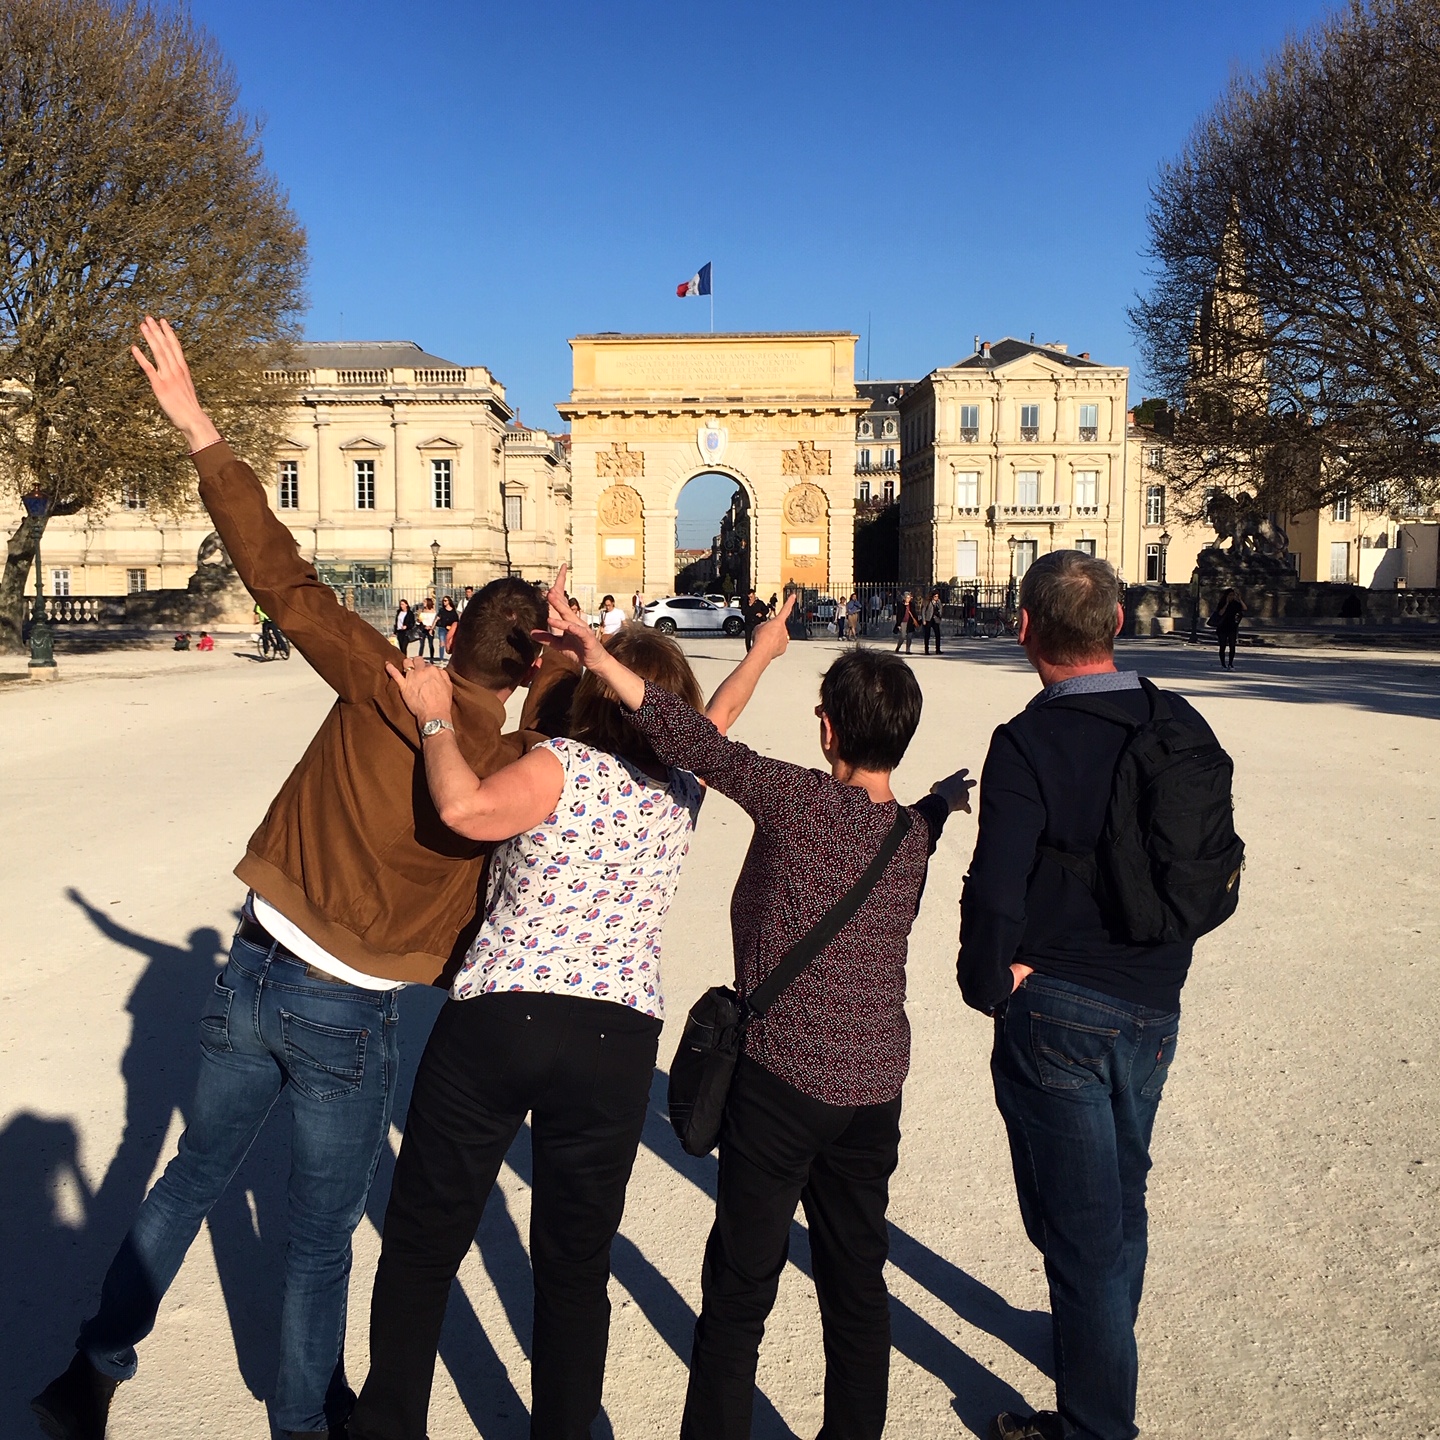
(814, 1113)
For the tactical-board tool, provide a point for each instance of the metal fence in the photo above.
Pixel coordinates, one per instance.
(976, 610)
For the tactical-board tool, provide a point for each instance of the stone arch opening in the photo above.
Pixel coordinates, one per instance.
(714, 543)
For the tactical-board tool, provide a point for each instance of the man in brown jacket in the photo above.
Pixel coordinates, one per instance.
(356, 888)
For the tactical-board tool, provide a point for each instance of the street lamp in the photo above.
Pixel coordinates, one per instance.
(1164, 547)
(42, 639)
(435, 570)
(1010, 590)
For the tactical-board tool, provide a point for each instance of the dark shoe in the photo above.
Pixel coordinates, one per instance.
(75, 1405)
(1042, 1425)
(338, 1433)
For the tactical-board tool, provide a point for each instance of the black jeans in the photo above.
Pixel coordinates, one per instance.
(581, 1068)
(933, 625)
(1227, 639)
(779, 1146)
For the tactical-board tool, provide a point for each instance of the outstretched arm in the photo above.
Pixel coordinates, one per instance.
(735, 690)
(509, 802)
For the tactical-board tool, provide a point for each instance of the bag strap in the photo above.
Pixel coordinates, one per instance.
(800, 954)
(1095, 704)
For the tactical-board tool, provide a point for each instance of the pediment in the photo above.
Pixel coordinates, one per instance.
(361, 442)
(438, 442)
(1032, 367)
(286, 443)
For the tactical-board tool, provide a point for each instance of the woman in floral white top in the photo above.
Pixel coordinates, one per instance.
(555, 1013)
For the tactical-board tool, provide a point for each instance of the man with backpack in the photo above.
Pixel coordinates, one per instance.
(1105, 848)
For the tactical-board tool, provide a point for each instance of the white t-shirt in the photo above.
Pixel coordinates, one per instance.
(612, 620)
(302, 947)
(428, 618)
(579, 903)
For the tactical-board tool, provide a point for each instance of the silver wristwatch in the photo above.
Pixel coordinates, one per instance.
(434, 727)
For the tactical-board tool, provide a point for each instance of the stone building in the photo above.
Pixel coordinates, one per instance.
(1014, 451)
(389, 451)
(877, 443)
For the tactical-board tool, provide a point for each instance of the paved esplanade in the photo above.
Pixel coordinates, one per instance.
(1294, 1275)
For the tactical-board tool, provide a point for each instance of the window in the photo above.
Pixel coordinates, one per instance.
(1087, 486)
(444, 579)
(889, 429)
(440, 490)
(864, 463)
(967, 490)
(364, 484)
(59, 582)
(889, 492)
(1085, 547)
(1029, 422)
(1339, 562)
(1022, 557)
(515, 512)
(135, 582)
(969, 422)
(1154, 504)
(862, 492)
(890, 458)
(1089, 421)
(1155, 457)
(866, 429)
(1027, 489)
(1154, 565)
(1340, 511)
(289, 486)
(131, 498)
(967, 559)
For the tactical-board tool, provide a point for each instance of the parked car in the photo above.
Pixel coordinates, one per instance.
(733, 603)
(691, 612)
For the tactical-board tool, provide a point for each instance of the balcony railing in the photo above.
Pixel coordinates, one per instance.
(439, 377)
(1089, 432)
(969, 434)
(1029, 432)
(963, 510)
(1029, 512)
(362, 377)
(1087, 510)
(289, 377)
(891, 468)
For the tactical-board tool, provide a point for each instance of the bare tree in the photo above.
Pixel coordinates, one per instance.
(130, 182)
(1294, 317)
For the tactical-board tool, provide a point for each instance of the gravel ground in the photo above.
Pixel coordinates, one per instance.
(1293, 1276)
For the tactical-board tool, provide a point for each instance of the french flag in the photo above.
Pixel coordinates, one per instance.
(697, 284)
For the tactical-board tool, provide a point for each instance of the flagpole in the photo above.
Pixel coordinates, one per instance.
(712, 297)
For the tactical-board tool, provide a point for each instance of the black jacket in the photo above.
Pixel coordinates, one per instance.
(1047, 781)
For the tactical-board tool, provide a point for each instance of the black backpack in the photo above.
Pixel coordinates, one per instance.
(1166, 868)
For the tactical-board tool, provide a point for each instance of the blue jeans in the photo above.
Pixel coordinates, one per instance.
(269, 1026)
(1078, 1077)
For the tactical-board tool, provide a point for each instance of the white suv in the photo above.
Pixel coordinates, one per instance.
(691, 612)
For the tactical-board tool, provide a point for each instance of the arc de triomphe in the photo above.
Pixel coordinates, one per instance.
(775, 412)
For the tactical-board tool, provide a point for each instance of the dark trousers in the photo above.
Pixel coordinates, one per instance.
(1227, 639)
(779, 1147)
(932, 625)
(581, 1068)
(749, 636)
(1078, 1077)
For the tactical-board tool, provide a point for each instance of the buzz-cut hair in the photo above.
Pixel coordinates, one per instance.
(493, 645)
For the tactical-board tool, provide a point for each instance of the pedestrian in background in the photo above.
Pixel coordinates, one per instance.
(852, 617)
(755, 612)
(906, 623)
(449, 618)
(426, 618)
(404, 626)
(1226, 621)
(930, 614)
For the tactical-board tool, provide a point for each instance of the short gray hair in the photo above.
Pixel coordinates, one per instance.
(1071, 598)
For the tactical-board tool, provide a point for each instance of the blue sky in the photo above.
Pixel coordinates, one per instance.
(490, 180)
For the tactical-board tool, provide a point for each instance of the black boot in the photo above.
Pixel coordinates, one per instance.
(1043, 1425)
(75, 1405)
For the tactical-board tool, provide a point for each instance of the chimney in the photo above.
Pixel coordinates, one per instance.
(985, 351)
(1084, 354)
(977, 345)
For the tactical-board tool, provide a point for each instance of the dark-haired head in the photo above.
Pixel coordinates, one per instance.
(872, 701)
(1069, 600)
(492, 644)
(595, 715)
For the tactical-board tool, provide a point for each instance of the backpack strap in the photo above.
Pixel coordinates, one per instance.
(800, 954)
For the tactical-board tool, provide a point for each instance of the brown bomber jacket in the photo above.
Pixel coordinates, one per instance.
(352, 850)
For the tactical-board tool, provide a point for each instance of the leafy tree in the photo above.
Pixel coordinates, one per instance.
(130, 182)
(1296, 246)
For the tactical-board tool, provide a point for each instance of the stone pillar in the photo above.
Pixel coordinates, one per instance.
(765, 528)
(842, 549)
(659, 574)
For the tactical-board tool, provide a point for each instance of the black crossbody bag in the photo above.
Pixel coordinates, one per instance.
(714, 1035)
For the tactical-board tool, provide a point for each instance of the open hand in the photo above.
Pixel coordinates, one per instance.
(169, 378)
(425, 689)
(955, 790)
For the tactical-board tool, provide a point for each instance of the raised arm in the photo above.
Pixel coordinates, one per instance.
(348, 653)
(509, 802)
(769, 642)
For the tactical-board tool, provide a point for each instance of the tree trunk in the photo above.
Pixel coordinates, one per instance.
(16, 582)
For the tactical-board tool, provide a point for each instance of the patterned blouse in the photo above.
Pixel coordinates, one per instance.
(578, 903)
(838, 1032)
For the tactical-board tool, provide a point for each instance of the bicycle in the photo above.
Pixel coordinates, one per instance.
(270, 642)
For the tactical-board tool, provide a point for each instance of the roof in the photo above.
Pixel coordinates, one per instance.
(882, 394)
(369, 355)
(1003, 352)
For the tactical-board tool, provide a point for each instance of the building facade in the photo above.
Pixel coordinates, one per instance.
(774, 412)
(1016, 450)
(397, 468)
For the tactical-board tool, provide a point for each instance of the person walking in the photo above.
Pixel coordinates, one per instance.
(906, 623)
(970, 612)
(555, 1013)
(930, 614)
(446, 621)
(852, 617)
(426, 618)
(404, 627)
(755, 612)
(465, 599)
(1086, 1018)
(352, 893)
(612, 618)
(1228, 615)
(813, 1113)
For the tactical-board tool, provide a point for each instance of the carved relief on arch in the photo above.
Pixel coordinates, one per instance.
(804, 542)
(620, 508)
(619, 462)
(805, 459)
(805, 506)
(620, 538)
